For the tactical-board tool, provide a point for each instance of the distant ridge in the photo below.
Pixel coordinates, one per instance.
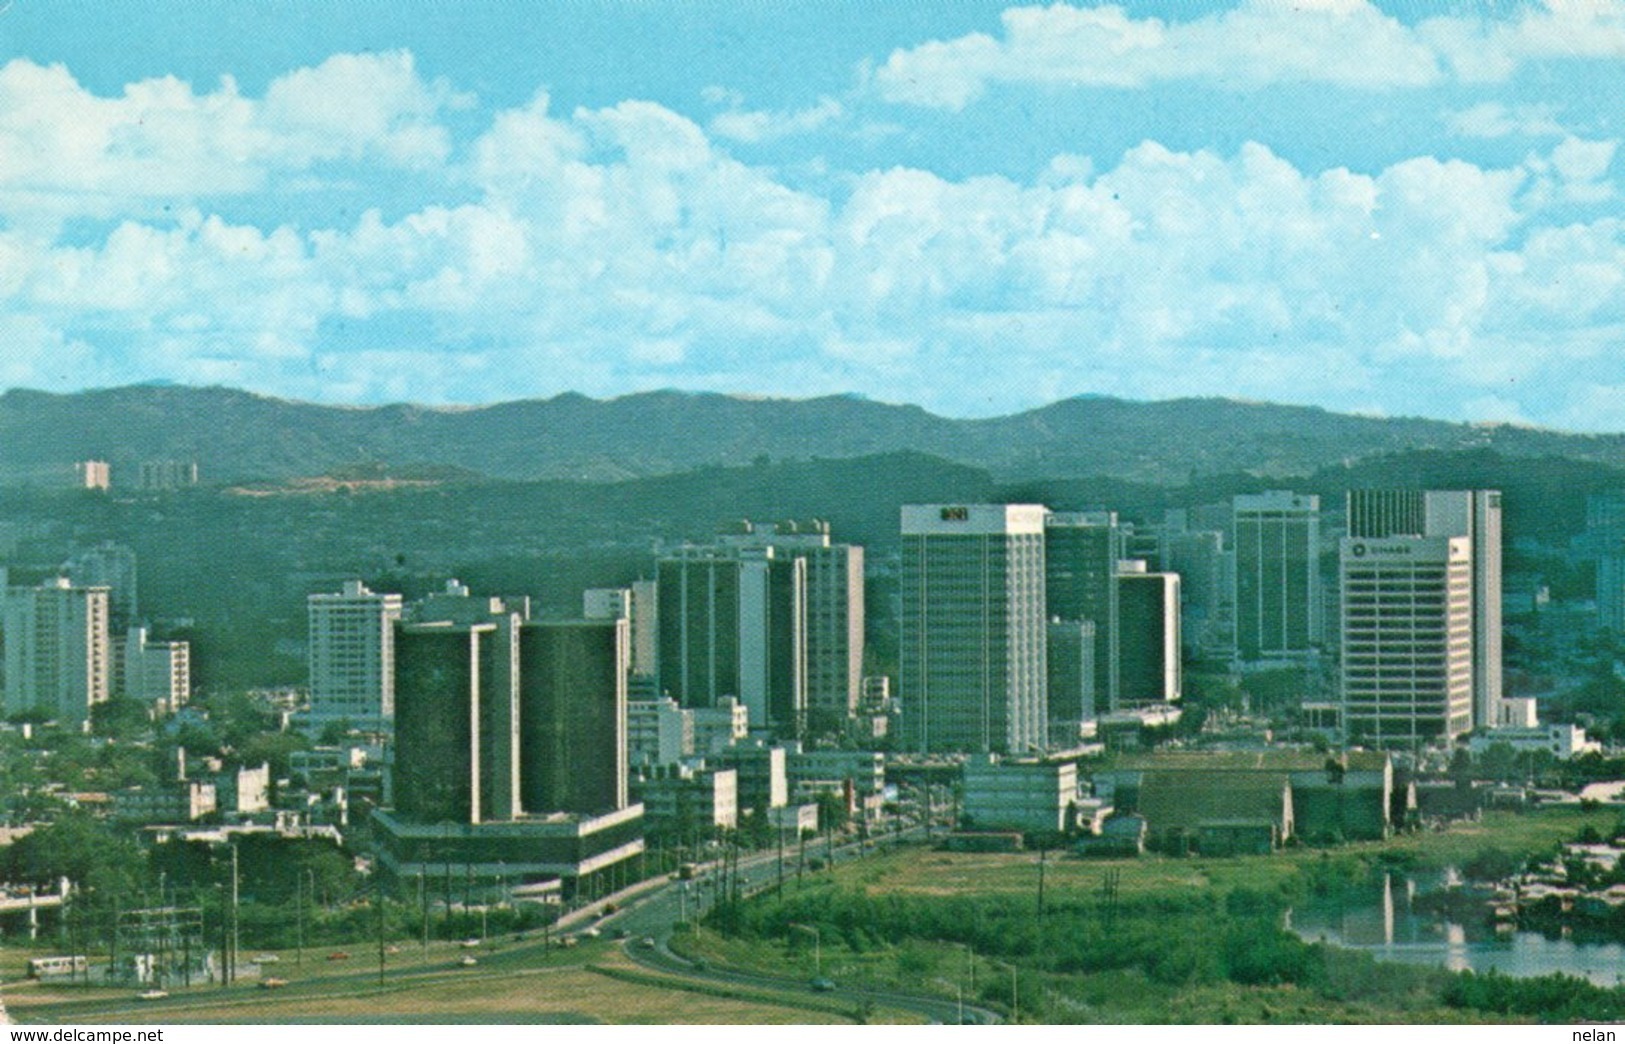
(238, 436)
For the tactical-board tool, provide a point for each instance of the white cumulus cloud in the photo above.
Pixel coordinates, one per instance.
(1342, 43)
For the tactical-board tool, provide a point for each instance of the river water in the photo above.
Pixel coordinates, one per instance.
(1383, 922)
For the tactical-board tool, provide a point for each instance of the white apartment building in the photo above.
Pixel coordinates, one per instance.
(352, 656)
(58, 652)
(157, 673)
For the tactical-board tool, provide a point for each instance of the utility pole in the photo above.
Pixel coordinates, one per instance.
(235, 929)
(378, 901)
(299, 913)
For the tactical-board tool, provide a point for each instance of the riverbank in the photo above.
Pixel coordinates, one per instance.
(1154, 939)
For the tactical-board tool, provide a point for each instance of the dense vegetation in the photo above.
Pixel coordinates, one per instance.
(1182, 952)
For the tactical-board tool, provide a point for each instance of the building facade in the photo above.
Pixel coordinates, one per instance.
(1407, 645)
(572, 715)
(1276, 539)
(972, 661)
(1470, 515)
(58, 650)
(732, 623)
(1149, 666)
(1081, 552)
(352, 656)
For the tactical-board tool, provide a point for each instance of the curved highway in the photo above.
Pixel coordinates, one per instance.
(652, 917)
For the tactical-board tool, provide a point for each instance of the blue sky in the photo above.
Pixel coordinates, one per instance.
(976, 207)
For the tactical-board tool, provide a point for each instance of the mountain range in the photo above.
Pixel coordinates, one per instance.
(238, 437)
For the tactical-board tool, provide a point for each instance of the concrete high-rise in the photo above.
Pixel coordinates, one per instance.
(352, 656)
(1407, 648)
(1471, 514)
(442, 763)
(58, 653)
(1206, 588)
(972, 661)
(1604, 543)
(1150, 671)
(834, 597)
(157, 673)
(510, 754)
(572, 715)
(498, 680)
(1070, 655)
(733, 623)
(1081, 552)
(1276, 539)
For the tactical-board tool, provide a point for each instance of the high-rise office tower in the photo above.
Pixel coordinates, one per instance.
(1407, 649)
(1206, 588)
(1148, 636)
(352, 656)
(1081, 552)
(972, 661)
(441, 767)
(58, 654)
(498, 681)
(572, 714)
(510, 757)
(834, 597)
(1471, 514)
(733, 623)
(1276, 538)
(1070, 656)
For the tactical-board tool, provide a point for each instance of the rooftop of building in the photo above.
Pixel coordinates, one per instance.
(1282, 759)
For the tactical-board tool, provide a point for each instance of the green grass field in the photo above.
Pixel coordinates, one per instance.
(920, 872)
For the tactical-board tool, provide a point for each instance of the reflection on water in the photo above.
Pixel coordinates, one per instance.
(1384, 921)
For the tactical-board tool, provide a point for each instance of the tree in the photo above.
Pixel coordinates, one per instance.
(832, 811)
(80, 848)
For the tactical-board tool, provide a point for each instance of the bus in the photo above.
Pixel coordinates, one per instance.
(50, 967)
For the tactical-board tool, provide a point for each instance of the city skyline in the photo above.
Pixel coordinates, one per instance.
(977, 207)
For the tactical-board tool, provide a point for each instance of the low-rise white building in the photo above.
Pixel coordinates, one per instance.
(1561, 741)
(1019, 795)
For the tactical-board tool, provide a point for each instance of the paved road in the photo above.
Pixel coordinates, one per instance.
(650, 915)
(653, 916)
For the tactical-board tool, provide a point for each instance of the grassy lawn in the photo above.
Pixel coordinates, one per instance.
(922, 872)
